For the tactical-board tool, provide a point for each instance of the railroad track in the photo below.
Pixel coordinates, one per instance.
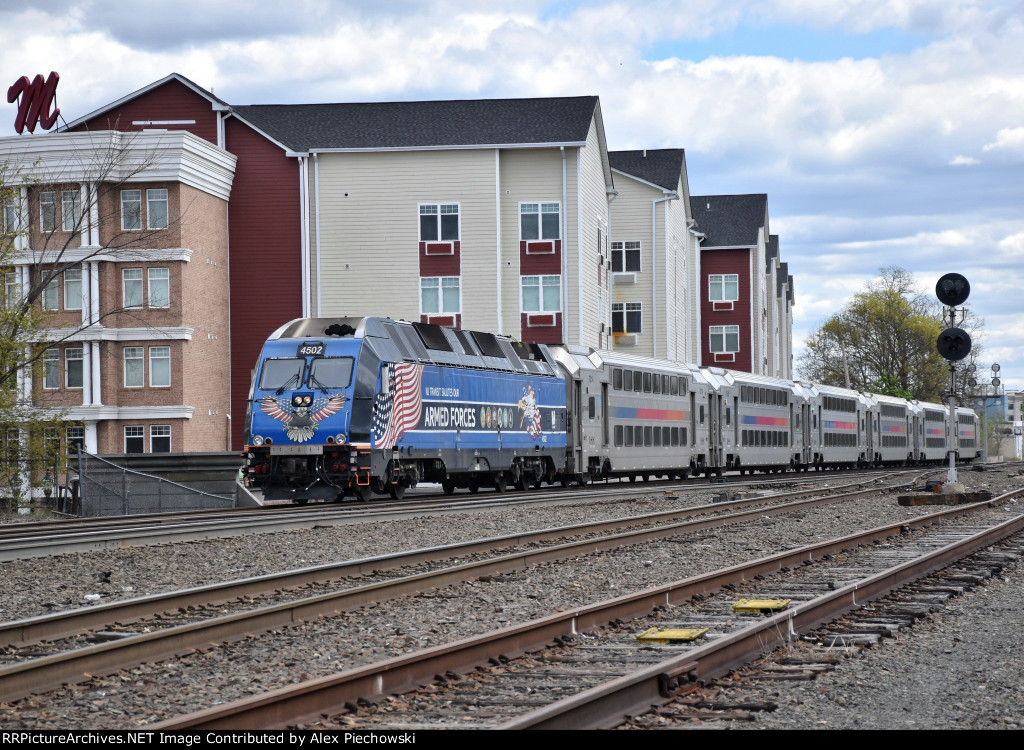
(755, 688)
(596, 673)
(41, 653)
(20, 541)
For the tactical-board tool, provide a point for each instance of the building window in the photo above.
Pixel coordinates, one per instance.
(73, 289)
(626, 257)
(47, 211)
(131, 210)
(51, 445)
(75, 438)
(439, 222)
(9, 218)
(439, 295)
(73, 376)
(723, 287)
(724, 339)
(12, 446)
(539, 221)
(541, 293)
(156, 208)
(51, 369)
(627, 317)
(131, 283)
(159, 287)
(135, 439)
(50, 298)
(159, 366)
(71, 210)
(134, 360)
(160, 438)
(12, 289)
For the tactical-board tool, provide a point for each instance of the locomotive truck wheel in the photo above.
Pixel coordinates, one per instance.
(362, 492)
(522, 482)
(301, 500)
(448, 487)
(397, 489)
(474, 485)
(500, 483)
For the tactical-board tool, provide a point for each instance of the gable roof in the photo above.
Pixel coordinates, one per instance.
(215, 102)
(730, 220)
(554, 121)
(662, 167)
(444, 124)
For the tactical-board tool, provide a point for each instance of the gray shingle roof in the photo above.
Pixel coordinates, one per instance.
(730, 220)
(479, 122)
(661, 167)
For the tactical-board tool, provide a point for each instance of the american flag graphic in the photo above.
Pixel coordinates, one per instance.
(399, 410)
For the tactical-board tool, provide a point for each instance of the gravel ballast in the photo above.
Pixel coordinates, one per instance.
(153, 692)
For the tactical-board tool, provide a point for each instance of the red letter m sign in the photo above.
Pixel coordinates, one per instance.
(36, 100)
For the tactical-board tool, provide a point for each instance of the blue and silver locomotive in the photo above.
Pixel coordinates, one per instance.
(364, 406)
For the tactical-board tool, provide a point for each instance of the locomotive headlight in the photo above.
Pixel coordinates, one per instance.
(297, 401)
(257, 440)
(307, 400)
(340, 438)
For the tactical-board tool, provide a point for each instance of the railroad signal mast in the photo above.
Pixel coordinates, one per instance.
(954, 344)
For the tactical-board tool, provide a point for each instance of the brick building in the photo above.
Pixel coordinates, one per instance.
(127, 237)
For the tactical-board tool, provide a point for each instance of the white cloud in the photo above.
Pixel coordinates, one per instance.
(1011, 139)
(853, 153)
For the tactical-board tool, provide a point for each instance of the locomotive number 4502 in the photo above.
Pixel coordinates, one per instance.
(311, 350)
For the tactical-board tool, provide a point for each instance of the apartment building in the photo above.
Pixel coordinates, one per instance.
(504, 215)
(655, 263)
(747, 295)
(125, 237)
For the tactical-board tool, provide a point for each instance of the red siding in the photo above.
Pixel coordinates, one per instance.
(726, 261)
(172, 101)
(440, 259)
(547, 328)
(266, 254)
(540, 258)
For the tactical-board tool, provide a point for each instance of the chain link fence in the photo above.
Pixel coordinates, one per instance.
(106, 489)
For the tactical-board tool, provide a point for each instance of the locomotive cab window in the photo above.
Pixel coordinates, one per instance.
(279, 374)
(331, 372)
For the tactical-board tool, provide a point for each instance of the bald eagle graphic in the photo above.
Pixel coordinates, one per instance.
(300, 422)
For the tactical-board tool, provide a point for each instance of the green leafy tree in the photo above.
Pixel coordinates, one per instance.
(884, 341)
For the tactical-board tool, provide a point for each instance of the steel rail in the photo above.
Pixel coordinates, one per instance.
(61, 537)
(49, 672)
(71, 622)
(307, 700)
(607, 705)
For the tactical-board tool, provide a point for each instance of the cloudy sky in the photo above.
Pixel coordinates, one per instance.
(883, 131)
